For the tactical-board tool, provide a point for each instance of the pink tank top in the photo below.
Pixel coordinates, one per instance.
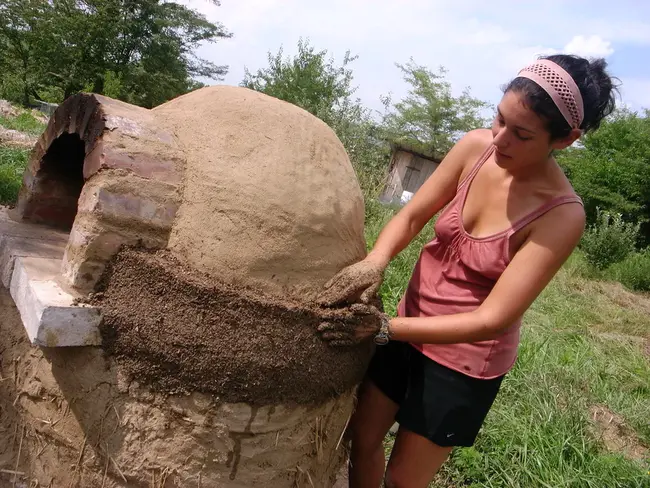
(455, 273)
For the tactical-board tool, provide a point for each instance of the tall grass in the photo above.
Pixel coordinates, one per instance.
(12, 165)
(12, 159)
(398, 273)
(633, 271)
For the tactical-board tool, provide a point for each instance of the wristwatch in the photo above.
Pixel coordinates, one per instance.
(383, 336)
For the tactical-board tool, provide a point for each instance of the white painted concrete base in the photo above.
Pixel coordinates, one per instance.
(30, 264)
(47, 312)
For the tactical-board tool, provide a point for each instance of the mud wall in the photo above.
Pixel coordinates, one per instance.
(70, 417)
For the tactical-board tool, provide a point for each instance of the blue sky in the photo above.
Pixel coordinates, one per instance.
(482, 44)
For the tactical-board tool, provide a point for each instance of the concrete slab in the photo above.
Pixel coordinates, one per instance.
(30, 266)
(13, 228)
(47, 311)
(13, 247)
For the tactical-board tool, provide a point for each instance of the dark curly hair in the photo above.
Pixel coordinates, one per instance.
(596, 87)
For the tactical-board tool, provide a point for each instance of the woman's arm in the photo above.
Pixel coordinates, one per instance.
(434, 194)
(361, 281)
(551, 241)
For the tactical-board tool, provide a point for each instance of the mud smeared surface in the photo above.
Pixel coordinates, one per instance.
(180, 332)
(70, 418)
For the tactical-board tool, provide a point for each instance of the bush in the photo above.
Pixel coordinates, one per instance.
(11, 87)
(609, 240)
(609, 168)
(633, 272)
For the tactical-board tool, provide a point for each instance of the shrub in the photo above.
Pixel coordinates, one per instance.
(633, 272)
(609, 240)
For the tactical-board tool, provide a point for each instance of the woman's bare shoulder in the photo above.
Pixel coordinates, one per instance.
(472, 146)
(477, 139)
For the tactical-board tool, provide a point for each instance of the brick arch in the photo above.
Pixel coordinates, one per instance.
(54, 176)
(107, 171)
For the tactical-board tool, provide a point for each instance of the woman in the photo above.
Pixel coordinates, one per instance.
(511, 219)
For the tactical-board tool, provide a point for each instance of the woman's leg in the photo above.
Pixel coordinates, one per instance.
(414, 461)
(373, 417)
(442, 408)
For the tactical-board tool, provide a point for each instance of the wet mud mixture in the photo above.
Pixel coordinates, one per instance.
(180, 332)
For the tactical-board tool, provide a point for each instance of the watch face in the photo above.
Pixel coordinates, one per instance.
(381, 340)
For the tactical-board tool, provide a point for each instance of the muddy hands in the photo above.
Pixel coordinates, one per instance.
(358, 282)
(351, 326)
(347, 327)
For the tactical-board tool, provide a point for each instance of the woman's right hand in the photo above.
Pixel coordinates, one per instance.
(358, 282)
(355, 325)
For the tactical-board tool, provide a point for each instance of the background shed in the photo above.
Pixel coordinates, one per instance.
(408, 170)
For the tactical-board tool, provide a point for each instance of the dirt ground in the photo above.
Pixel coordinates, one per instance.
(25, 390)
(616, 436)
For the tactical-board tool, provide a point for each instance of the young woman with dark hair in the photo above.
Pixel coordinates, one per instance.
(509, 221)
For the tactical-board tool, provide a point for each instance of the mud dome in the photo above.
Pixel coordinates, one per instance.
(69, 417)
(269, 198)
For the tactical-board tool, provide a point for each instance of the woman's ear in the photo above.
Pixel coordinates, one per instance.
(566, 141)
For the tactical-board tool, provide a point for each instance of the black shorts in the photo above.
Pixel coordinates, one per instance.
(443, 405)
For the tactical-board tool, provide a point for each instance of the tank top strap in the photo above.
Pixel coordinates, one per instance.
(551, 204)
(477, 166)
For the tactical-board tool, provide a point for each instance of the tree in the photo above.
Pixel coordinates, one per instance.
(309, 80)
(611, 169)
(145, 49)
(22, 27)
(430, 119)
(154, 56)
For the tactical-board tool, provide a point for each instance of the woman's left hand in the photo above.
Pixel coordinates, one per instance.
(353, 328)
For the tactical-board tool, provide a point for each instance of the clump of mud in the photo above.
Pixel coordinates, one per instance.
(180, 332)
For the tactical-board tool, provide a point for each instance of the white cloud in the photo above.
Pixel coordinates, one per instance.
(589, 46)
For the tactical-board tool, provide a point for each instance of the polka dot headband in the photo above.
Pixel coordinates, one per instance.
(561, 88)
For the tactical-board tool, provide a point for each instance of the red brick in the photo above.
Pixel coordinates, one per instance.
(142, 164)
(94, 245)
(128, 208)
(91, 246)
(87, 253)
(82, 275)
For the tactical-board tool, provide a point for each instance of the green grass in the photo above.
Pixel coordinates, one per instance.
(633, 271)
(12, 165)
(23, 122)
(398, 273)
(13, 160)
(580, 348)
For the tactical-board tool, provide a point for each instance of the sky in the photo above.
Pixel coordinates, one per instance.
(482, 44)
